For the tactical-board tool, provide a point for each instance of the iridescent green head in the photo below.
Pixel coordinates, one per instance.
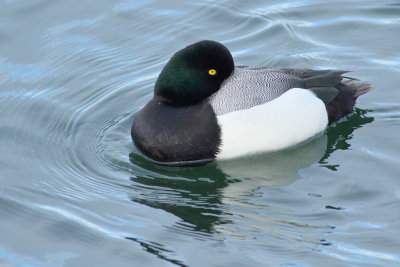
(194, 73)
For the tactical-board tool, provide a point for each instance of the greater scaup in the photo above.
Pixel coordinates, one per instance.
(205, 108)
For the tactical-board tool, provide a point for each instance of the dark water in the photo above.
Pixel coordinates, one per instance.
(74, 191)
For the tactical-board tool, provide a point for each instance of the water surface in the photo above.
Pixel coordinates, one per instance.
(75, 192)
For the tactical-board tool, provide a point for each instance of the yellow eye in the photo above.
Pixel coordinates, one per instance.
(212, 72)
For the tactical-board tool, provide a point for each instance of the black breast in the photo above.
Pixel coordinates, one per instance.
(167, 133)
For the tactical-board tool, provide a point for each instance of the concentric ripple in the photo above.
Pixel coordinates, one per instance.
(74, 191)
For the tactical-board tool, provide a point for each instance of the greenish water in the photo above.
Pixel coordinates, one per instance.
(75, 192)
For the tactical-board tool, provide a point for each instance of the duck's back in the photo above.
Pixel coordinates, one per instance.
(251, 86)
(248, 86)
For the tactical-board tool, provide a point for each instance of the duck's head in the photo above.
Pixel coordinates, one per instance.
(194, 73)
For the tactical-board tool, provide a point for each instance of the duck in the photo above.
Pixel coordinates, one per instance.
(205, 108)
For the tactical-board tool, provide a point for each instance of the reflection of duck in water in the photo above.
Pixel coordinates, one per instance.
(196, 194)
(342, 132)
(205, 108)
(271, 169)
(191, 193)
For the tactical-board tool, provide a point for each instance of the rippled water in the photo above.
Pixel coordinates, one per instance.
(75, 192)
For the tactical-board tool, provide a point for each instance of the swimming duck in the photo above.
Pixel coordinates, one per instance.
(206, 108)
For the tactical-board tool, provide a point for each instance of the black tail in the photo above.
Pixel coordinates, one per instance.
(360, 88)
(343, 103)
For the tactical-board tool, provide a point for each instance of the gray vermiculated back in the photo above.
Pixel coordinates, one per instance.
(251, 86)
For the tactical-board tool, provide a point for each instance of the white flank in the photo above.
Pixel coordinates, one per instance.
(288, 120)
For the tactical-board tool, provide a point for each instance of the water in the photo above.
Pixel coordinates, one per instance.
(74, 191)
